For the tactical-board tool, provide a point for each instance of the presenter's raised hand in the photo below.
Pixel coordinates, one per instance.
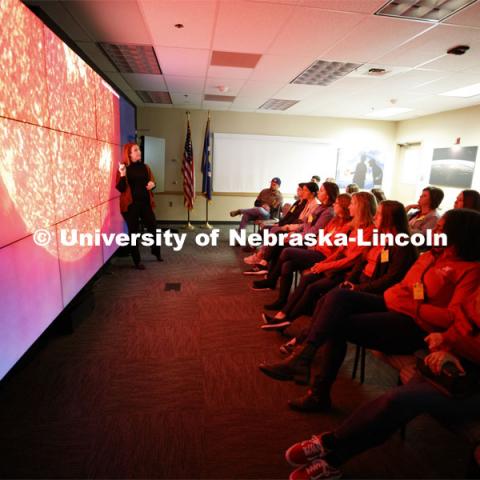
(122, 169)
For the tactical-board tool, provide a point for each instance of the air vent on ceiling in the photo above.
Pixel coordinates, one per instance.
(132, 58)
(234, 59)
(324, 73)
(427, 10)
(219, 98)
(154, 97)
(278, 104)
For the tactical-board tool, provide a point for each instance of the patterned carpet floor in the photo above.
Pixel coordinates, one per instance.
(165, 384)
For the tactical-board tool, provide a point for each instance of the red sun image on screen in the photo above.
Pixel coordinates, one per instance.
(23, 84)
(60, 143)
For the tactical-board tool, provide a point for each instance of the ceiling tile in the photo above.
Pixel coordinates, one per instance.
(229, 72)
(232, 86)
(248, 27)
(147, 82)
(190, 101)
(180, 84)
(456, 63)
(374, 37)
(251, 103)
(182, 61)
(253, 88)
(469, 16)
(105, 21)
(280, 68)
(311, 31)
(197, 16)
(430, 45)
(208, 105)
(296, 92)
(359, 6)
(449, 82)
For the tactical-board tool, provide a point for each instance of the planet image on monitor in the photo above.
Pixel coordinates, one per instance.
(453, 167)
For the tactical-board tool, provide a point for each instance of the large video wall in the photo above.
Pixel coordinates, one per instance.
(60, 148)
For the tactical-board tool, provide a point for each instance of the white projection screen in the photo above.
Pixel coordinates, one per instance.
(247, 163)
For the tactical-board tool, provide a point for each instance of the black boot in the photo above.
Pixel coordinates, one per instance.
(317, 398)
(296, 367)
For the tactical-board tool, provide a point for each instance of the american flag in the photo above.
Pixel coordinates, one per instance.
(188, 170)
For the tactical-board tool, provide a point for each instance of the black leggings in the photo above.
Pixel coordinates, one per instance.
(144, 212)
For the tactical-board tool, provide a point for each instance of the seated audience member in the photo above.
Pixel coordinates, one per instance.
(330, 269)
(440, 282)
(377, 420)
(316, 179)
(379, 194)
(269, 200)
(352, 188)
(376, 270)
(468, 199)
(321, 213)
(426, 216)
(331, 180)
(315, 216)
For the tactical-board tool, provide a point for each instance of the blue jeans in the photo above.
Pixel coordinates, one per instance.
(374, 422)
(255, 213)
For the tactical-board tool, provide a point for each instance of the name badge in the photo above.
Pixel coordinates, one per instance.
(310, 218)
(418, 292)
(384, 256)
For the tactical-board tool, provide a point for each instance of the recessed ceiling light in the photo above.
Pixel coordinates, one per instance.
(132, 58)
(428, 10)
(469, 91)
(278, 104)
(179, 25)
(387, 112)
(324, 73)
(154, 97)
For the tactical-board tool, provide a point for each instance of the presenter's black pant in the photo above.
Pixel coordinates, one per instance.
(135, 212)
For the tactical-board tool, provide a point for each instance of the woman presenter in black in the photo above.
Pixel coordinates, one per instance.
(135, 182)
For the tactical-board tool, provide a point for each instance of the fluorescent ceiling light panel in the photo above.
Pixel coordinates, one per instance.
(154, 97)
(427, 10)
(469, 91)
(278, 104)
(387, 112)
(132, 58)
(324, 73)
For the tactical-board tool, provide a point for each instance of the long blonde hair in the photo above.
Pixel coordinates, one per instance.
(366, 209)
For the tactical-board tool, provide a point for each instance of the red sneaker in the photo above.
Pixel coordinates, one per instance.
(302, 453)
(319, 469)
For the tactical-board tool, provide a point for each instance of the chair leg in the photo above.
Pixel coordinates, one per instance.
(355, 361)
(363, 352)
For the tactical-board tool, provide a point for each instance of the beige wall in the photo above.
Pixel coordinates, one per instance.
(438, 131)
(171, 124)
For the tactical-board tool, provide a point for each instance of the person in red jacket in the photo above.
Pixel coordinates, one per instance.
(135, 183)
(374, 422)
(426, 300)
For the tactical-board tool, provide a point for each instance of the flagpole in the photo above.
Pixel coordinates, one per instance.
(188, 226)
(206, 224)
